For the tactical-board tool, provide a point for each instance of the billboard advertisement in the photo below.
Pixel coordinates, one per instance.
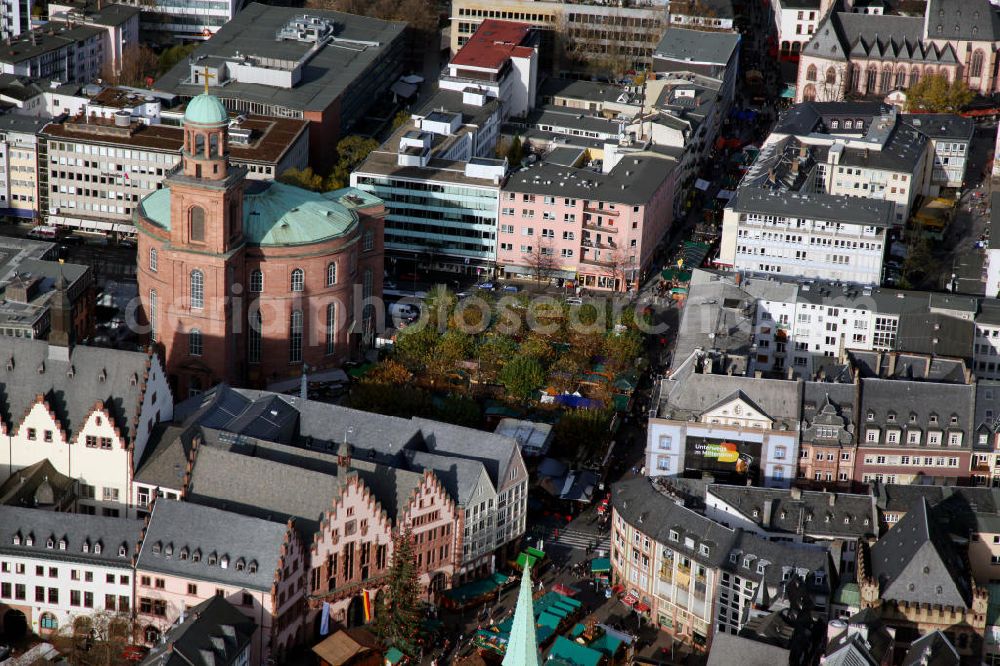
(728, 460)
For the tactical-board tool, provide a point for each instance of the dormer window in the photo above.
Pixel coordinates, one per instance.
(747, 561)
(252, 567)
(50, 543)
(224, 562)
(196, 556)
(933, 419)
(891, 417)
(213, 559)
(240, 564)
(169, 550)
(157, 547)
(703, 549)
(97, 548)
(954, 419)
(17, 539)
(847, 520)
(184, 553)
(122, 550)
(760, 567)
(673, 535)
(732, 558)
(62, 544)
(913, 417)
(29, 541)
(871, 415)
(756, 513)
(86, 546)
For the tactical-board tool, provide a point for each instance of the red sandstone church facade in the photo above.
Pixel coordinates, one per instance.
(244, 282)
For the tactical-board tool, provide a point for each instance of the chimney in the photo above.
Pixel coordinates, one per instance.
(796, 493)
(765, 519)
(833, 499)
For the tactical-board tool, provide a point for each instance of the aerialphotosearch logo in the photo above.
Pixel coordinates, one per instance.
(474, 314)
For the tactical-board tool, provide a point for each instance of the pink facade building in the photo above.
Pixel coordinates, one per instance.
(353, 549)
(188, 553)
(599, 226)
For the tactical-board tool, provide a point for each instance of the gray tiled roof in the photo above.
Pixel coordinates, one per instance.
(779, 399)
(112, 376)
(815, 513)
(941, 125)
(829, 404)
(76, 528)
(933, 649)
(816, 206)
(180, 526)
(727, 650)
(915, 561)
(975, 20)
(213, 633)
(913, 403)
(166, 456)
(633, 181)
(682, 44)
(886, 36)
(643, 506)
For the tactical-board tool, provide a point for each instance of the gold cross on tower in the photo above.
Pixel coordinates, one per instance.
(207, 76)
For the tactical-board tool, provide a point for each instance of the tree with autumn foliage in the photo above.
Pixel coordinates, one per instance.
(397, 606)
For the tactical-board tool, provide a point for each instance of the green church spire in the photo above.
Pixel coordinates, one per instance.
(522, 648)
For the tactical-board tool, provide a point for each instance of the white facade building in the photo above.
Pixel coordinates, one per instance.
(57, 566)
(55, 395)
(819, 236)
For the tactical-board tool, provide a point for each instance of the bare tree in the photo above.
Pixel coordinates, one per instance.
(137, 62)
(542, 262)
(97, 639)
(621, 264)
(597, 48)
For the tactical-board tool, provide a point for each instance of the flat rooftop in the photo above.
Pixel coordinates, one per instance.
(53, 38)
(270, 137)
(330, 72)
(819, 206)
(697, 46)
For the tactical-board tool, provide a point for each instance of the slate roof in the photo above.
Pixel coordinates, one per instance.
(699, 46)
(913, 403)
(933, 649)
(76, 528)
(177, 526)
(938, 334)
(40, 484)
(916, 561)
(815, 513)
(846, 34)
(727, 650)
(642, 505)
(941, 125)
(864, 642)
(166, 456)
(459, 456)
(213, 633)
(975, 20)
(815, 206)
(697, 393)
(110, 375)
(832, 405)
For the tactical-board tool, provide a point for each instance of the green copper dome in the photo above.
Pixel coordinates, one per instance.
(206, 109)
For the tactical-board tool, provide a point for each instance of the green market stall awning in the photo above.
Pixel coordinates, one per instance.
(528, 556)
(600, 565)
(678, 274)
(394, 656)
(788, 92)
(565, 652)
(477, 589)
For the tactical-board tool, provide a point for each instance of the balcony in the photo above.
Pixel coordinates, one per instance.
(600, 228)
(599, 211)
(596, 262)
(586, 242)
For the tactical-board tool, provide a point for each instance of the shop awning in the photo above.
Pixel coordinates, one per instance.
(642, 607)
(630, 599)
(600, 565)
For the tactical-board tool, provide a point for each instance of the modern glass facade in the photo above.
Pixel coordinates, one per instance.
(447, 220)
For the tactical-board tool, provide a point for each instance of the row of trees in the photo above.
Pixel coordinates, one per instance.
(351, 152)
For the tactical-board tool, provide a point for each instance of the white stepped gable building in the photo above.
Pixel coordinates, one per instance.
(88, 410)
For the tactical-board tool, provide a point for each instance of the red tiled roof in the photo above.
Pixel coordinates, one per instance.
(493, 43)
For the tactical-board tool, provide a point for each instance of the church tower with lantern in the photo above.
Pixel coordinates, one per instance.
(248, 282)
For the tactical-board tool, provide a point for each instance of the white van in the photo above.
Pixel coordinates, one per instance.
(403, 311)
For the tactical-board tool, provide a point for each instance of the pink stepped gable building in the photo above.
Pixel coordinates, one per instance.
(596, 224)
